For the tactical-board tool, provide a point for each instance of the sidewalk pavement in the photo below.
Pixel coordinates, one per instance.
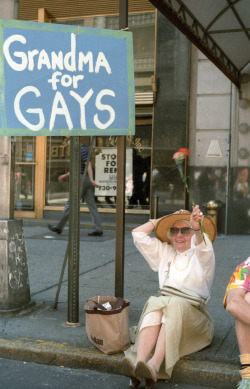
(42, 334)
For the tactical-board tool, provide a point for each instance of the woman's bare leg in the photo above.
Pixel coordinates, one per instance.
(147, 341)
(243, 336)
(243, 331)
(159, 353)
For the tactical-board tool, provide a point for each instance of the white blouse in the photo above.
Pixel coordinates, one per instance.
(192, 270)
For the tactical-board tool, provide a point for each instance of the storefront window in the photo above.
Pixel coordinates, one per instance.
(24, 172)
(141, 159)
(104, 152)
(208, 189)
(239, 201)
(170, 115)
(57, 163)
(143, 28)
(138, 165)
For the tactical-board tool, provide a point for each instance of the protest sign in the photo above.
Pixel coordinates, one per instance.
(65, 80)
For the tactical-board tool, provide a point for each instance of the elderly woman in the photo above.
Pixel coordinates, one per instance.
(175, 323)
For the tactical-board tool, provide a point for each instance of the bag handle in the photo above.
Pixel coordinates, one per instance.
(97, 305)
(119, 303)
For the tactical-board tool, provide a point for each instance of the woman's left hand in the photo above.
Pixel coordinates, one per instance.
(95, 184)
(196, 217)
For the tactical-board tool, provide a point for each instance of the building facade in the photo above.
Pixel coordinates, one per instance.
(182, 100)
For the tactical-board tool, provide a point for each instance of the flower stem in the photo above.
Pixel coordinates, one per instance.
(184, 180)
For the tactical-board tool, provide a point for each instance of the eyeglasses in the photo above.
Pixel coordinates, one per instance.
(174, 231)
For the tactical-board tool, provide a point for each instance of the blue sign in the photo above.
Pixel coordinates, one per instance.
(65, 80)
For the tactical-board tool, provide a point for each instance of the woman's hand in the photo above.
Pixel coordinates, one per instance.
(147, 227)
(63, 177)
(95, 184)
(196, 217)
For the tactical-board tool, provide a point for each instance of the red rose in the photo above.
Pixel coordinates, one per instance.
(181, 154)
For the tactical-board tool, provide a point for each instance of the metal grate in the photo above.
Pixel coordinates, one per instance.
(144, 98)
(56, 9)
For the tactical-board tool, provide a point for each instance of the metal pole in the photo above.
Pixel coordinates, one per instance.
(74, 230)
(228, 160)
(156, 198)
(120, 203)
(67, 249)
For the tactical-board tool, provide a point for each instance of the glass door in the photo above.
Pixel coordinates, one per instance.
(25, 162)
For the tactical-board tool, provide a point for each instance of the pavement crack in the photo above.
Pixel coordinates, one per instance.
(4, 323)
(219, 347)
(80, 274)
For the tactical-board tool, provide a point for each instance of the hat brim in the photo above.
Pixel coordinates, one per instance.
(166, 222)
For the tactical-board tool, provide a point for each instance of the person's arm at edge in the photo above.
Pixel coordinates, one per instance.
(90, 173)
(63, 177)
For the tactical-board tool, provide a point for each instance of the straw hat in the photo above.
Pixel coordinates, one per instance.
(164, 224)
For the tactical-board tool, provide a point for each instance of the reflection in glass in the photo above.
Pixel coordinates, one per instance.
(24, 172)
(143, 28)
(141, 181)
(167, 185)
(239, 205)
(141, 161)
(208, 189)
(57, 163)
(170, 115)
(25, 149)
(137, 193)
(138, 165)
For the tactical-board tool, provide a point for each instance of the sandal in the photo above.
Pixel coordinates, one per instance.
(134, 382)
(145, 370)
(128, 370)
(149, 384)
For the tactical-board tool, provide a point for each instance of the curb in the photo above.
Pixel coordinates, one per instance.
(59, 354)
(83, 225)
(210, 374)
(204, 373)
